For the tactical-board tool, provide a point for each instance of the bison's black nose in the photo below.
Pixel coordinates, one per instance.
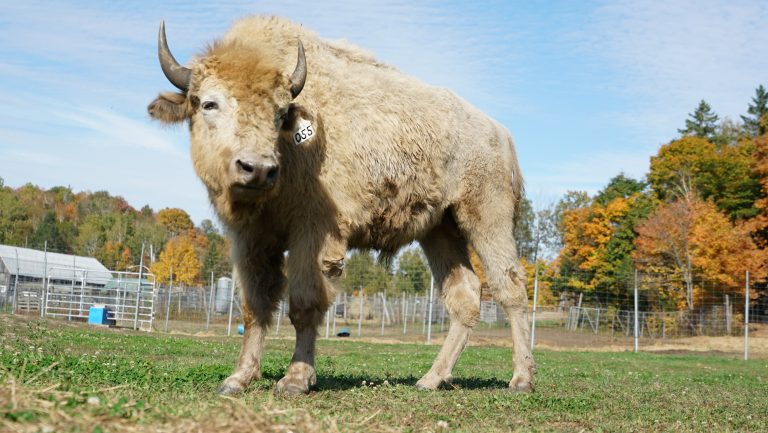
(255, 173)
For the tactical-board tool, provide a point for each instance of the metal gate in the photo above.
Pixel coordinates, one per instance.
(71, 292)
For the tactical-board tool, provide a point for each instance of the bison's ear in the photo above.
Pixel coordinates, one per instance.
(170, 107)
(298, 125)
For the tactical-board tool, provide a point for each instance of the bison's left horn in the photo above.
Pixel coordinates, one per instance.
(299, 75)
(178, 75)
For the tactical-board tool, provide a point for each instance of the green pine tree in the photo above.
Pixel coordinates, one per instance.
(757, 109)
(702, 122)
(619, 186)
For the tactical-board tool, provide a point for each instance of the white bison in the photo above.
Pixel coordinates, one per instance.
(344, 152)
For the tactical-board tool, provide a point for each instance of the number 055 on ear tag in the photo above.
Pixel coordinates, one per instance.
(303, 132)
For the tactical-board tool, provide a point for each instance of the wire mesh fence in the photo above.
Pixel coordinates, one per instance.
(611, 319)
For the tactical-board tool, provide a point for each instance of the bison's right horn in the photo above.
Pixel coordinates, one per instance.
(299, 75)
(178, 75)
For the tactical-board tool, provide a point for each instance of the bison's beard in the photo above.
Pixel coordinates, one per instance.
(236, 205)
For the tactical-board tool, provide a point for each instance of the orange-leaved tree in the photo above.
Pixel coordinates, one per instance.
(115, 256)
(689, 241)
(547, 271)
(587, 232)
(758, 226)
(175, 220)
(178, 257)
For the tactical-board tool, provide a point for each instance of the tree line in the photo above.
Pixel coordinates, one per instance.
(696, 222)
(692, 226)
(97, 224)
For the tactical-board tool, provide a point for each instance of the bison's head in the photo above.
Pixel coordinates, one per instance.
(236, 100)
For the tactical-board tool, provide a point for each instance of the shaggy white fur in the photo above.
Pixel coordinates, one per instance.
(390, 160)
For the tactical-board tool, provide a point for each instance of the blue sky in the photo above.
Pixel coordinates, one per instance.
(587, 88)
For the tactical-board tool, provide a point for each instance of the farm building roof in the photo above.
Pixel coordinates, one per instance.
(27, 262)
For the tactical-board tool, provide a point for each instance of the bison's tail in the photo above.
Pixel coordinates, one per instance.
(518, 186)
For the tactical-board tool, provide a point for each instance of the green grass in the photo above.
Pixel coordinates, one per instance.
(155, 380)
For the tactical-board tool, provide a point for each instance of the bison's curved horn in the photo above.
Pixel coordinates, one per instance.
(178, 75)
(299, 75)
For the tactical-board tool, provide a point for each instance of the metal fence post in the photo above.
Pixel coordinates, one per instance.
(82, 291)
(405, 315)
(16, 284)
(138, 289)
(402, 307)
(210, 305)
(746, 317)
(431, 299)
(383, 306)
(637, 343)
(168, 307)
(535, 298)
(333, 313)
(360, 318)
(577, 313)
(231, 304)
(597, 323)
(44, 295)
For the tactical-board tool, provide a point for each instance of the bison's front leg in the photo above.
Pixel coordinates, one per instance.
(261, 282)
(310, 294)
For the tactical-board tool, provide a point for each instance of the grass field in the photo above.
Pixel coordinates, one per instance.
(60, 377)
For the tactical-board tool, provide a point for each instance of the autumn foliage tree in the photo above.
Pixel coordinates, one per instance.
(723, 174)
(598, 239)
(175, 220)
(588, 231)
(115, 256)
(758, 226)
(688, 242)
(547, 273)
(178, 257)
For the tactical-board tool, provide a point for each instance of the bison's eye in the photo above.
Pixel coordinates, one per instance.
(210, 105)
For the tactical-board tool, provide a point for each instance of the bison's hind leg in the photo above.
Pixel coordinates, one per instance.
(446, 251)
(490, 230)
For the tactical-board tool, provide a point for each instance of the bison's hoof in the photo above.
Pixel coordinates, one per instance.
(226, 389)
(521, 385)
(423, 387)
(431, 382)
(292, 385)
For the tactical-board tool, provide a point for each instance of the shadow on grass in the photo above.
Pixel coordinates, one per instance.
(340, 382)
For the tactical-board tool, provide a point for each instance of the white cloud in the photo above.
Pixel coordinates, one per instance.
(112, 129)
(75, 78)
(667, 56)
